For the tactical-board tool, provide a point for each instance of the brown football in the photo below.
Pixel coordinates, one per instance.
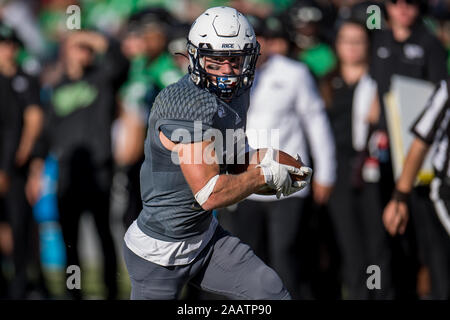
(256, 157)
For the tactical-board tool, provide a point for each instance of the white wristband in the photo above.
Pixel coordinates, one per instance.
(203, 195)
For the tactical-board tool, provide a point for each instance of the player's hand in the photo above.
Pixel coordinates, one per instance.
(395, 217)
(4, 182)
(304, 172)
(33, 187)
(23, 153)
(321, 192)
(276, 175)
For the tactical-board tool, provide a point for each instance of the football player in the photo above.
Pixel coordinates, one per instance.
(176, 239)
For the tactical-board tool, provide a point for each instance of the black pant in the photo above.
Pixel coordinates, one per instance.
(25, 236)
(345, 218)
(376, 240)
(89, 191)
(434, 241)
(3, 283)
(272, 229)
(356, 214)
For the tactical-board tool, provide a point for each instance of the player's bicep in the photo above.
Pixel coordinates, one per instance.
(198, 161)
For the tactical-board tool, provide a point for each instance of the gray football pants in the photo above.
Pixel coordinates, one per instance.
(226, 266)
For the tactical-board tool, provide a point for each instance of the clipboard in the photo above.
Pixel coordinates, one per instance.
(403, 105)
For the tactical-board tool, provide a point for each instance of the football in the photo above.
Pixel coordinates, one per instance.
(254, 159)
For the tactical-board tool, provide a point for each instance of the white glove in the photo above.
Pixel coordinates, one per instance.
(276, 175)
(296, 186)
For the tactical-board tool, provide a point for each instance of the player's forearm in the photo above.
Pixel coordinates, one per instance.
(36, 167)
(33, 125)
(413, 162)
(231, 189)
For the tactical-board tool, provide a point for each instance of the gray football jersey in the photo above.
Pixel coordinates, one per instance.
(185, 113)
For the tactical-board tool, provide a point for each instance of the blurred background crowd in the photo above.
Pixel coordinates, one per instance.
(73, 114)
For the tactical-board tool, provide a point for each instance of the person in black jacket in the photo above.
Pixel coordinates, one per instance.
(8, 125)
(354, 208)
(21, 123)
(81, 110)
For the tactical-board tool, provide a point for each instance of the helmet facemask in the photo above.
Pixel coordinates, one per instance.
(224, 86)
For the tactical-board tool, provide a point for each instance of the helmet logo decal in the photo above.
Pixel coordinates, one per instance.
(221, 112)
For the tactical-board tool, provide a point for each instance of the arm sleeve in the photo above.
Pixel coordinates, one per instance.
(431, 118)
(310, 107)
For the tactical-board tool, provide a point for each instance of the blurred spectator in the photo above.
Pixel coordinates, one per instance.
(440, 10)
(304, 19)
(354, 206)
(81, 109)
(20, 101)
(357, 12)
(107, 16)
(111, 16)
(177, 46)
(406, 48)
(284, 98)
(52, 19)
(444, 35)
(19, 14)
(274, 28)
(259, 8)
(152, 68)
(9, 122)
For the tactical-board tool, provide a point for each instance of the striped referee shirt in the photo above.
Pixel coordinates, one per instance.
(433, 127)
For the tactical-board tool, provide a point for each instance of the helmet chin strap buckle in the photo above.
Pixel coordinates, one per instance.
(196, 79)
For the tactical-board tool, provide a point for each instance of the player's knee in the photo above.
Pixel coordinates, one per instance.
(153, 290)
(270, 285)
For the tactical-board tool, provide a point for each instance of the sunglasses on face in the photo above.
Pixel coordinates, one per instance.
(410, 2)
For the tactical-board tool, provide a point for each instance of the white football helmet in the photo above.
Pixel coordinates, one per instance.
(222, 32)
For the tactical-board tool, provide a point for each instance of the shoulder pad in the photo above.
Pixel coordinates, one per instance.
(183, 100)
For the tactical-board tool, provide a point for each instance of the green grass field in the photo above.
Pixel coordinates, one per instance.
(91, 283)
